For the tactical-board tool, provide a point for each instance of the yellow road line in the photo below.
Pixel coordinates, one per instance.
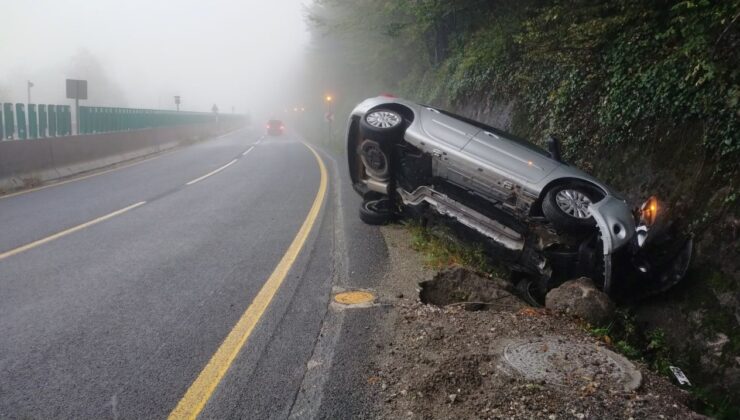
(202, 388)
(214, 172)
(58, 235)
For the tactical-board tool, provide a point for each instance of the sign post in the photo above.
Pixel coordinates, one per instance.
(177, 102)
(77, 89)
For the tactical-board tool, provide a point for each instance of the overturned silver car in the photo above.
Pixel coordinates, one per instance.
(551, 221)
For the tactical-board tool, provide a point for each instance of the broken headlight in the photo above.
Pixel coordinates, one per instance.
(651, 221)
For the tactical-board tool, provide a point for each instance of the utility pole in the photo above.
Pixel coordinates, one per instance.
(329, 115)
(29, 86)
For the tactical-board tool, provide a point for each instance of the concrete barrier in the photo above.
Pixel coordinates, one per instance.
(27, 163)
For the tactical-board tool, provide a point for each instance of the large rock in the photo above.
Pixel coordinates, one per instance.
(580, 297)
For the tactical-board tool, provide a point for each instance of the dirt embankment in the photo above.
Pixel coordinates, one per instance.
(507, 361)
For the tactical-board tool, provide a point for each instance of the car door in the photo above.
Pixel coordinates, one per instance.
(449, 133)
(512, 158)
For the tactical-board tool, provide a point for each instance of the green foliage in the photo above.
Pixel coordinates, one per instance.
(676, 70)
(607, 72)
(627, 349)
(719, 407)
(659, 351)
(627, 339)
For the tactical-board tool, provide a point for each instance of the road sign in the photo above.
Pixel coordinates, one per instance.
(329, 116)
(76, 89)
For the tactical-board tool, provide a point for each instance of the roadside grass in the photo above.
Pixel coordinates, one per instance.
(441, 249)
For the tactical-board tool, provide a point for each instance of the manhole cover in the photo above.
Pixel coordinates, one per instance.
(356, 297)
(559, 361)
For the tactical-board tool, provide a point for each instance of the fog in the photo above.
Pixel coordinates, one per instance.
(136, 53)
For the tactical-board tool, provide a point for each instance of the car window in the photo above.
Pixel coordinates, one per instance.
(508, 136)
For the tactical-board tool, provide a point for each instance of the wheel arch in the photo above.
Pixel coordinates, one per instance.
(407, 113)
(536, 208)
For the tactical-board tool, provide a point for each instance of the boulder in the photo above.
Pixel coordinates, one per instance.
(580, 297)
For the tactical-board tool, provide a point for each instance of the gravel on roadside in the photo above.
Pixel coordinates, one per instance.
(439, 363)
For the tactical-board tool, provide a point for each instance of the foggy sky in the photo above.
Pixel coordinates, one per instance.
(241, 53)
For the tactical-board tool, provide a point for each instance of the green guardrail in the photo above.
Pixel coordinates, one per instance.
(40, 120)
(95, 119)
(36, 121)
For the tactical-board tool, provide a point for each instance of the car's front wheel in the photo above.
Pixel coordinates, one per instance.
(566, 206)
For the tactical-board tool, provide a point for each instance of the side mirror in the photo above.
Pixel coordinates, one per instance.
(553, 146)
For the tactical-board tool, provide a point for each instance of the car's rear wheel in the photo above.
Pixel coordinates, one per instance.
(377, 212)
(566, 206)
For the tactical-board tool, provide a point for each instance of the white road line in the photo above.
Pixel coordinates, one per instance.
(211, 173)
(248, 150)
(58, 235)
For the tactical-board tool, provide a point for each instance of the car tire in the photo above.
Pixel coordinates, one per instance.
(566, 206)
(528, 291)
(381, 124)
(376, 212)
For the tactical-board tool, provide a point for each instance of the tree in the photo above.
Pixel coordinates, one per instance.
(102, 90)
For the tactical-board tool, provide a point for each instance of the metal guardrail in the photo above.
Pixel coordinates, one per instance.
(102, 120)
(40, 121)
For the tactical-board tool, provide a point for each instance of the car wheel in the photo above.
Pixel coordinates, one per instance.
(376, 212)
(566, 206)
(381, 124)
(527, 289)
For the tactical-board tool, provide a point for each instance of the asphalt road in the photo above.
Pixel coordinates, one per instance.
(118, 289)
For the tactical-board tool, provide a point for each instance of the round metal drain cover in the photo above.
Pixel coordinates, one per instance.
(356, 297)
(559, 361)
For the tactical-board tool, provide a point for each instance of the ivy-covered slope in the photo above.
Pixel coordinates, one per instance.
(644, 94)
